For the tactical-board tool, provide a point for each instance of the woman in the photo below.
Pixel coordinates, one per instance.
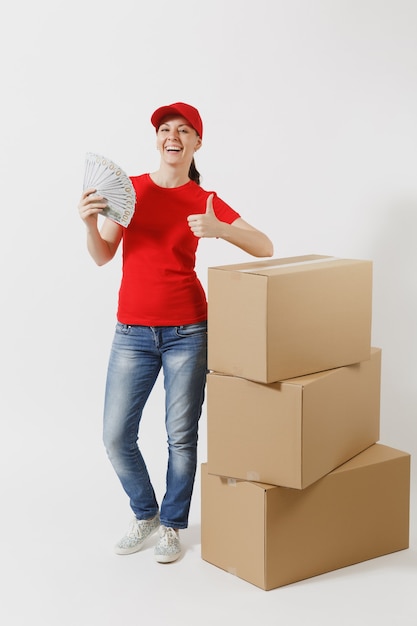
(162, 321)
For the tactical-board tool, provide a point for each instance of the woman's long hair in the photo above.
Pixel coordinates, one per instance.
(193, 173)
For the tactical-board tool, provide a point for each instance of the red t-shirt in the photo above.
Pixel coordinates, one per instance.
(159, 285)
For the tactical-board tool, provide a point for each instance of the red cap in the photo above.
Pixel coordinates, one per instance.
(179, 108)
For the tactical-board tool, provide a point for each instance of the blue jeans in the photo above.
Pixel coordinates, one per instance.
(138, 354)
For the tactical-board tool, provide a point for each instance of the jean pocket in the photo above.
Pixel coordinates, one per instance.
(188, 330)
(122, 329)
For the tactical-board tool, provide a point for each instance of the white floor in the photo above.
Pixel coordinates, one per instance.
(62, 510)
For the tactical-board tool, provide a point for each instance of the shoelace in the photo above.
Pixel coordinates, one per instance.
(169, 534)
(135, 530)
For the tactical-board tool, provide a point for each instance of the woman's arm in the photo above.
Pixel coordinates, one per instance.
(239, 233)
(102, 245)
(245, 236)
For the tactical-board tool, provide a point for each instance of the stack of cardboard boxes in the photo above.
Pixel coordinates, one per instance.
(295, 484)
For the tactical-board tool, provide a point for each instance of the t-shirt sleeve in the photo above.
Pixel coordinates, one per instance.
(223, 211)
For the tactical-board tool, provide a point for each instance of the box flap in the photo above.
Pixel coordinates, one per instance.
(277, 266)
(262, 267)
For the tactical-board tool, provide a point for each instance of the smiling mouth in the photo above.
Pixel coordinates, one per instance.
(172, 149)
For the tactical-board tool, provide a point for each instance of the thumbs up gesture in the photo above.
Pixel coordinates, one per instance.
(205, 224)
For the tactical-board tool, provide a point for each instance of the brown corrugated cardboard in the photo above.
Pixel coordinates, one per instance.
(277, 319)
(293, 432)
(272, 536)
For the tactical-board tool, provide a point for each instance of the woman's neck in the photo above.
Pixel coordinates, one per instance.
(170, 177)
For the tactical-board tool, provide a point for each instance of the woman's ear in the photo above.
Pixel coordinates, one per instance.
(198, 144)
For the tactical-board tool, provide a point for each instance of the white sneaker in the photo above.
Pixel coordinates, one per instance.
(168, 548)
(137, 533)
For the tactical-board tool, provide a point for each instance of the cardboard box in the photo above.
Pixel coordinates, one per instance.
(272, 536)
(276, 319)
(292, 433)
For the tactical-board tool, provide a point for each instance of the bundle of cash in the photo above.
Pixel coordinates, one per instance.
(111, 182)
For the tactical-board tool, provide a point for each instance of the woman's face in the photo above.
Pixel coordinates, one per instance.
(177, 141)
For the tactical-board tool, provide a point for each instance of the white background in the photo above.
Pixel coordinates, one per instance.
(309, 109)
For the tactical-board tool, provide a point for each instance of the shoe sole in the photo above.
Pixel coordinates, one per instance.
(163, 558)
